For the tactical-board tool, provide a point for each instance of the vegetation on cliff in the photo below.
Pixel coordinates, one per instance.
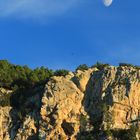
(16, 76)
(22, 80)
(96, 114)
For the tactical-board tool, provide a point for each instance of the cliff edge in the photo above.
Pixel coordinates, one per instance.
(96, 103)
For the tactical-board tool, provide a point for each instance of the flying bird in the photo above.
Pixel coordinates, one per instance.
(107, 3)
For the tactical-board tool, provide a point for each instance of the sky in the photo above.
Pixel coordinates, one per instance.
(66, 33)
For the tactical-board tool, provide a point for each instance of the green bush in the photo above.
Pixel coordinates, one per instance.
(126, 64)
(131, 133)
(99, 66)
(61, 72)
(5, 99)
(129, 65)
(126, 134)
(82, 67)
(12, 76)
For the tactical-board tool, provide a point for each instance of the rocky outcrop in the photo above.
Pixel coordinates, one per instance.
(81, 78)
(74, 106)
(5, 121)
(117, 88)
(61, 110)
(21, 120)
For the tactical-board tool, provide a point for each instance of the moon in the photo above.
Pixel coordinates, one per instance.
(107, 3)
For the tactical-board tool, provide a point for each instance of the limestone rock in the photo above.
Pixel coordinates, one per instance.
(71, 107)
(5, 121)
(118, 88)
(61, 110)
(81, 78)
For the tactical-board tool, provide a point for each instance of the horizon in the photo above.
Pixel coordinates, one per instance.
(65, 34)
(80, 65)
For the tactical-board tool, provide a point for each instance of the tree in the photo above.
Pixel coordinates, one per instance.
(82, 67)
(99, 66)
(61, 72)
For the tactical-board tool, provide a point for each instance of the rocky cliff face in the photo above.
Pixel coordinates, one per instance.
(118, 88)
(73, 107)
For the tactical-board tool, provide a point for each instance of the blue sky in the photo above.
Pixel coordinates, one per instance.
(63, 33)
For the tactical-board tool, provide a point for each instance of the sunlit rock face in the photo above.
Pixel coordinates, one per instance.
(81, 78)
(61, 109)
(119, 89)
(70, 107)
(5, 121)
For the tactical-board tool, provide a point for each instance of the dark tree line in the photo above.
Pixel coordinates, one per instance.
(16, 76)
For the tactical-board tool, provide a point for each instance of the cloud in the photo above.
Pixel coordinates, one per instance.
(35, 8)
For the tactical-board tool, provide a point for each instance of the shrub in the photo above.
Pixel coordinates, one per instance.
(131, 133)
(126, 64)
(82, 67)
(125, 134)
(99, 66)
(5, 100)
(14, 75)
(61, 72)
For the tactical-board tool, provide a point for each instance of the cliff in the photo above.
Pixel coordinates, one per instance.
(90, 104)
